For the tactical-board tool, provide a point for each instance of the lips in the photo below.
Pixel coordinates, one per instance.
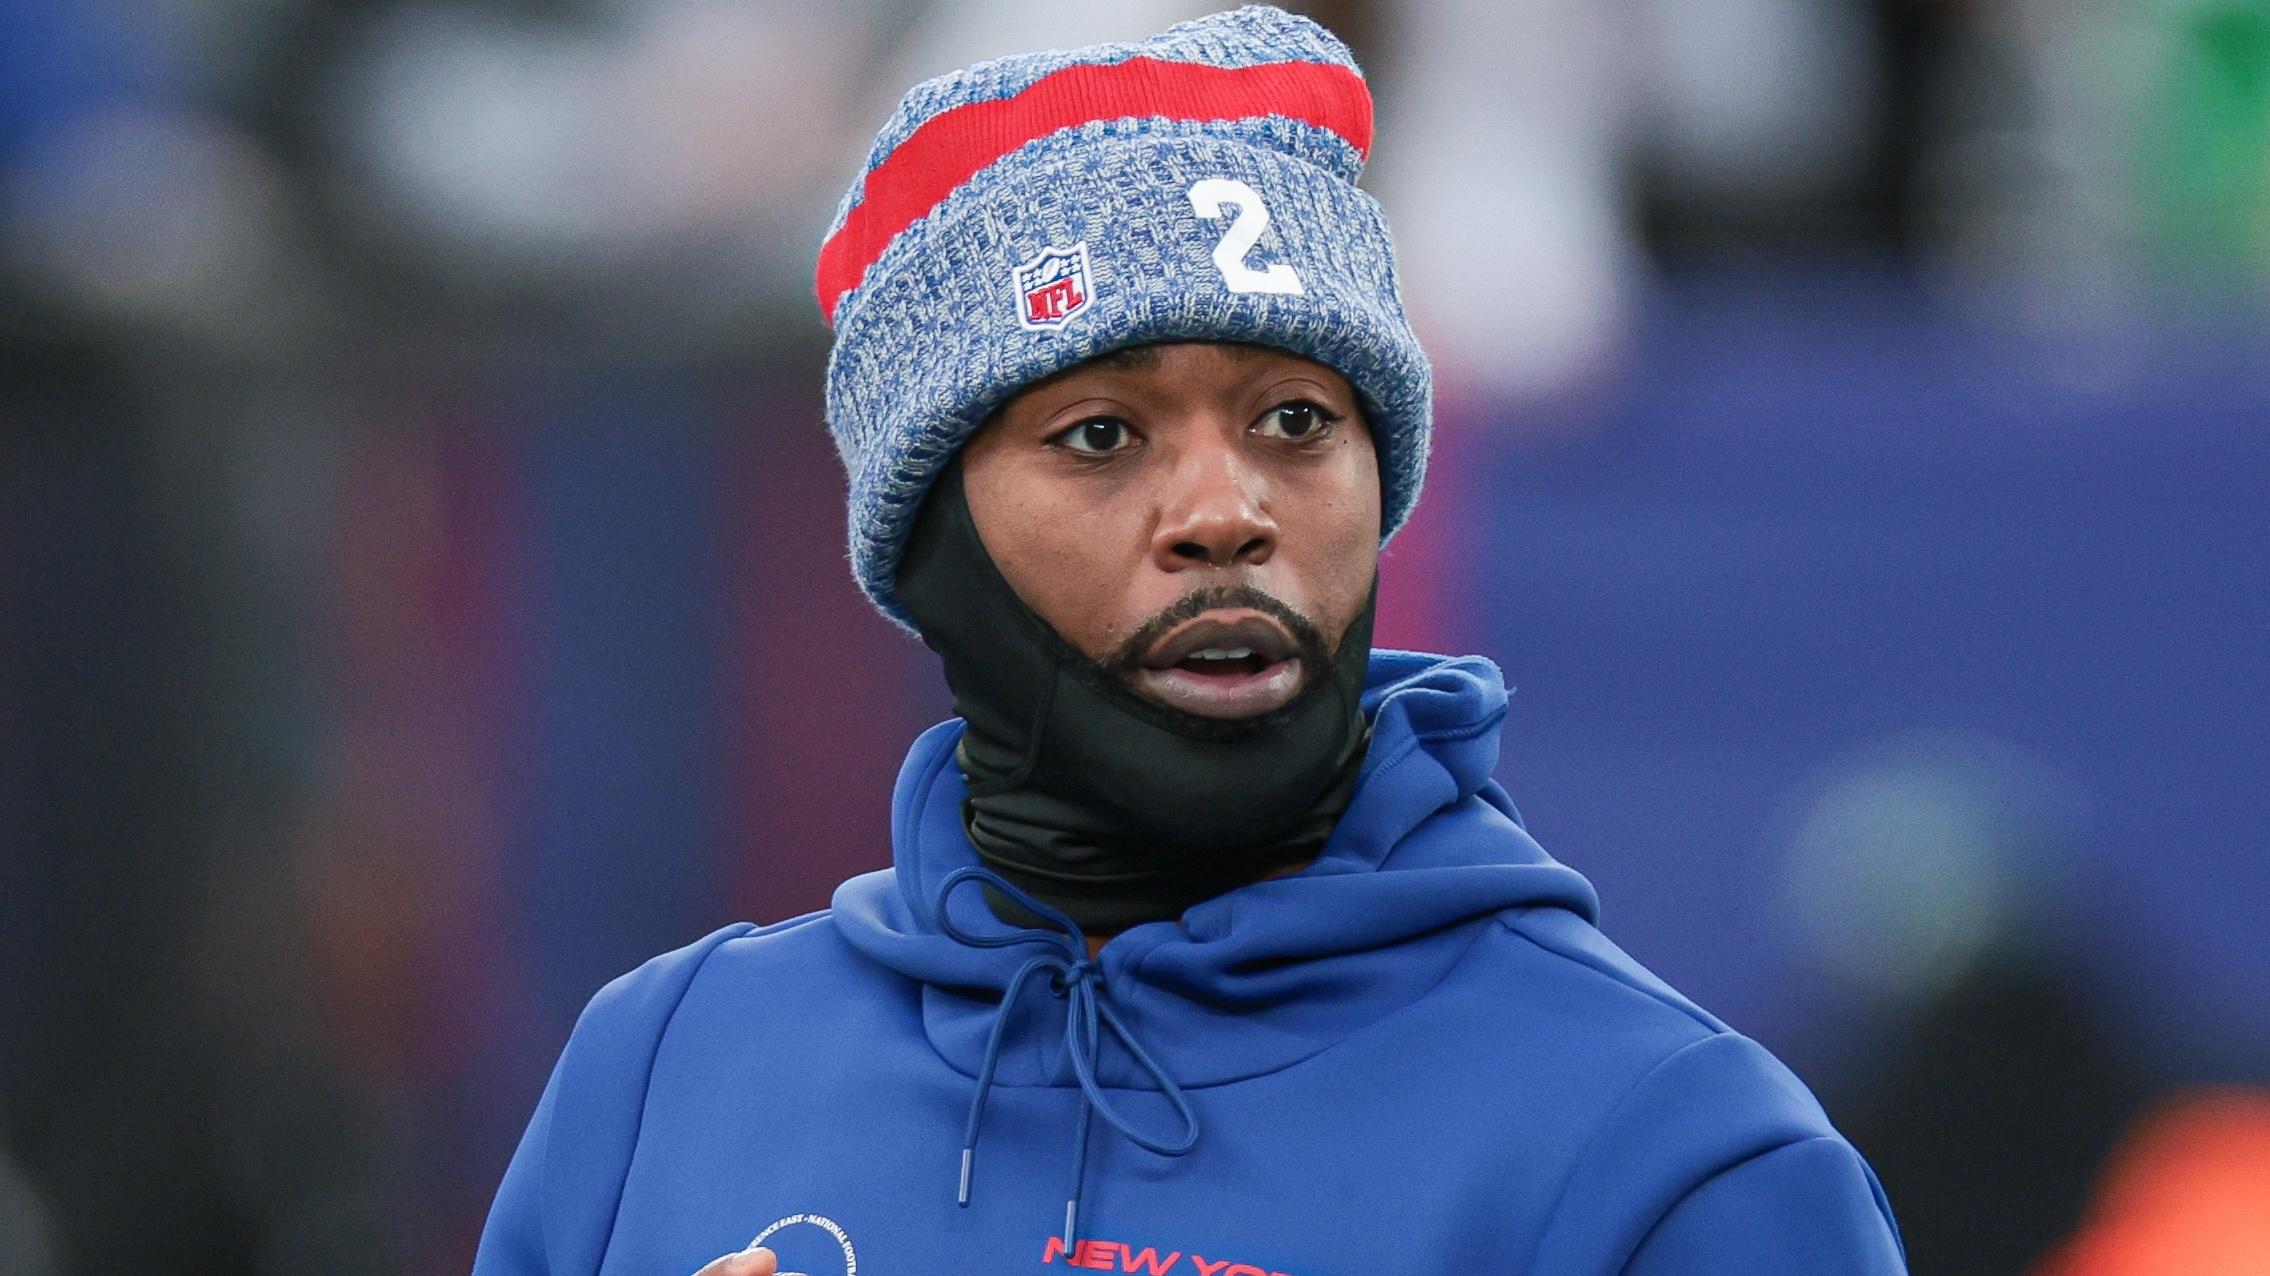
(1206, 638)
(1223, 665)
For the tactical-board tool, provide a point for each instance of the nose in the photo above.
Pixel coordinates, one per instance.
(1213, 512)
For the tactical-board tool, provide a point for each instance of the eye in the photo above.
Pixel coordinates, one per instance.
(1096, 436)
(1299, 419)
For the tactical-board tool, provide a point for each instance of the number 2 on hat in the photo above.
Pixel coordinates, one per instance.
(1207, 199)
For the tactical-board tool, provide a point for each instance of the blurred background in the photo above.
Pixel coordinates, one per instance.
(422, 592)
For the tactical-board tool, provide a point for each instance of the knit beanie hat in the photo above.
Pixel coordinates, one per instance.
(1025, 214)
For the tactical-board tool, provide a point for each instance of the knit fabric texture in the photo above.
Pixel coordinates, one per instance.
(1025, 214)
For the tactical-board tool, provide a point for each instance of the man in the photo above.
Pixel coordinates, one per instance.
(1211, 948)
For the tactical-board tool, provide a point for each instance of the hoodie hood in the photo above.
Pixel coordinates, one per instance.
(1262, 977)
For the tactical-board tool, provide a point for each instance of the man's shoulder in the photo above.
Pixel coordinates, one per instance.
(1662, 1098)
(1619, 1022)
(638, 1003)
(741, 955)
(1585, 964)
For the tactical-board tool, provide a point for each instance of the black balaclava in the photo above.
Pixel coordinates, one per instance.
(1105, 803)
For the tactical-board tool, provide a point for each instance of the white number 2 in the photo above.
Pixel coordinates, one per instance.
(1207, 199)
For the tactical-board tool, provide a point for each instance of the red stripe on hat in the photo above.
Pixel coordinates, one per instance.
(951, 146)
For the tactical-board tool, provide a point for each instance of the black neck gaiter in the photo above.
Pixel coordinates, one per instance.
(1100, 801)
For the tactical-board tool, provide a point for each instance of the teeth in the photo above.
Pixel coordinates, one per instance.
(1221, 653)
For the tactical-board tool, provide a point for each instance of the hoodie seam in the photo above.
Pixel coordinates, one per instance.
(1705, 1181)
(1488, 723)
(1393, 760)
(1411, 743)
(1586, 961)
(646, 1090)
(1607, 1122)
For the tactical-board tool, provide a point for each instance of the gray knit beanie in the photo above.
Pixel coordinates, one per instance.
(1028, 213)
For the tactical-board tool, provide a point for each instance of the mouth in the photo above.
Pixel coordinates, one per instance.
(1228, 663)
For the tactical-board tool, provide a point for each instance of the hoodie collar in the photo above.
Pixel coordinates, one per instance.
(1264, 976)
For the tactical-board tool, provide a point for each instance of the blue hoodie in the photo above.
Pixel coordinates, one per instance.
(1417, 1055)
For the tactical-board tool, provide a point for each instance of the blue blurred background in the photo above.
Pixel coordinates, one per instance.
(423, 597)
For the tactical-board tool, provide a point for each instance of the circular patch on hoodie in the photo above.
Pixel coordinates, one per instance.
(800, 1251)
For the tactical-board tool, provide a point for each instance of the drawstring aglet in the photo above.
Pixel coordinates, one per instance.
(1071, 1212)
(961, 1198)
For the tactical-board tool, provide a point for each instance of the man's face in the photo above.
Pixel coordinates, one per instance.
(1203, 518)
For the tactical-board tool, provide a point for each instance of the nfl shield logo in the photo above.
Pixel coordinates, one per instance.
(1053, 287)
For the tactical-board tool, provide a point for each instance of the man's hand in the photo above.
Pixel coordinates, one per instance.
(754, 1261)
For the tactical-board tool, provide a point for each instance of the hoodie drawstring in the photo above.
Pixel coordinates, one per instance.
(1077, 978)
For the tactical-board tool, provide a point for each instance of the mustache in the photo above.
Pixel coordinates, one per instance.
(1308, 640)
